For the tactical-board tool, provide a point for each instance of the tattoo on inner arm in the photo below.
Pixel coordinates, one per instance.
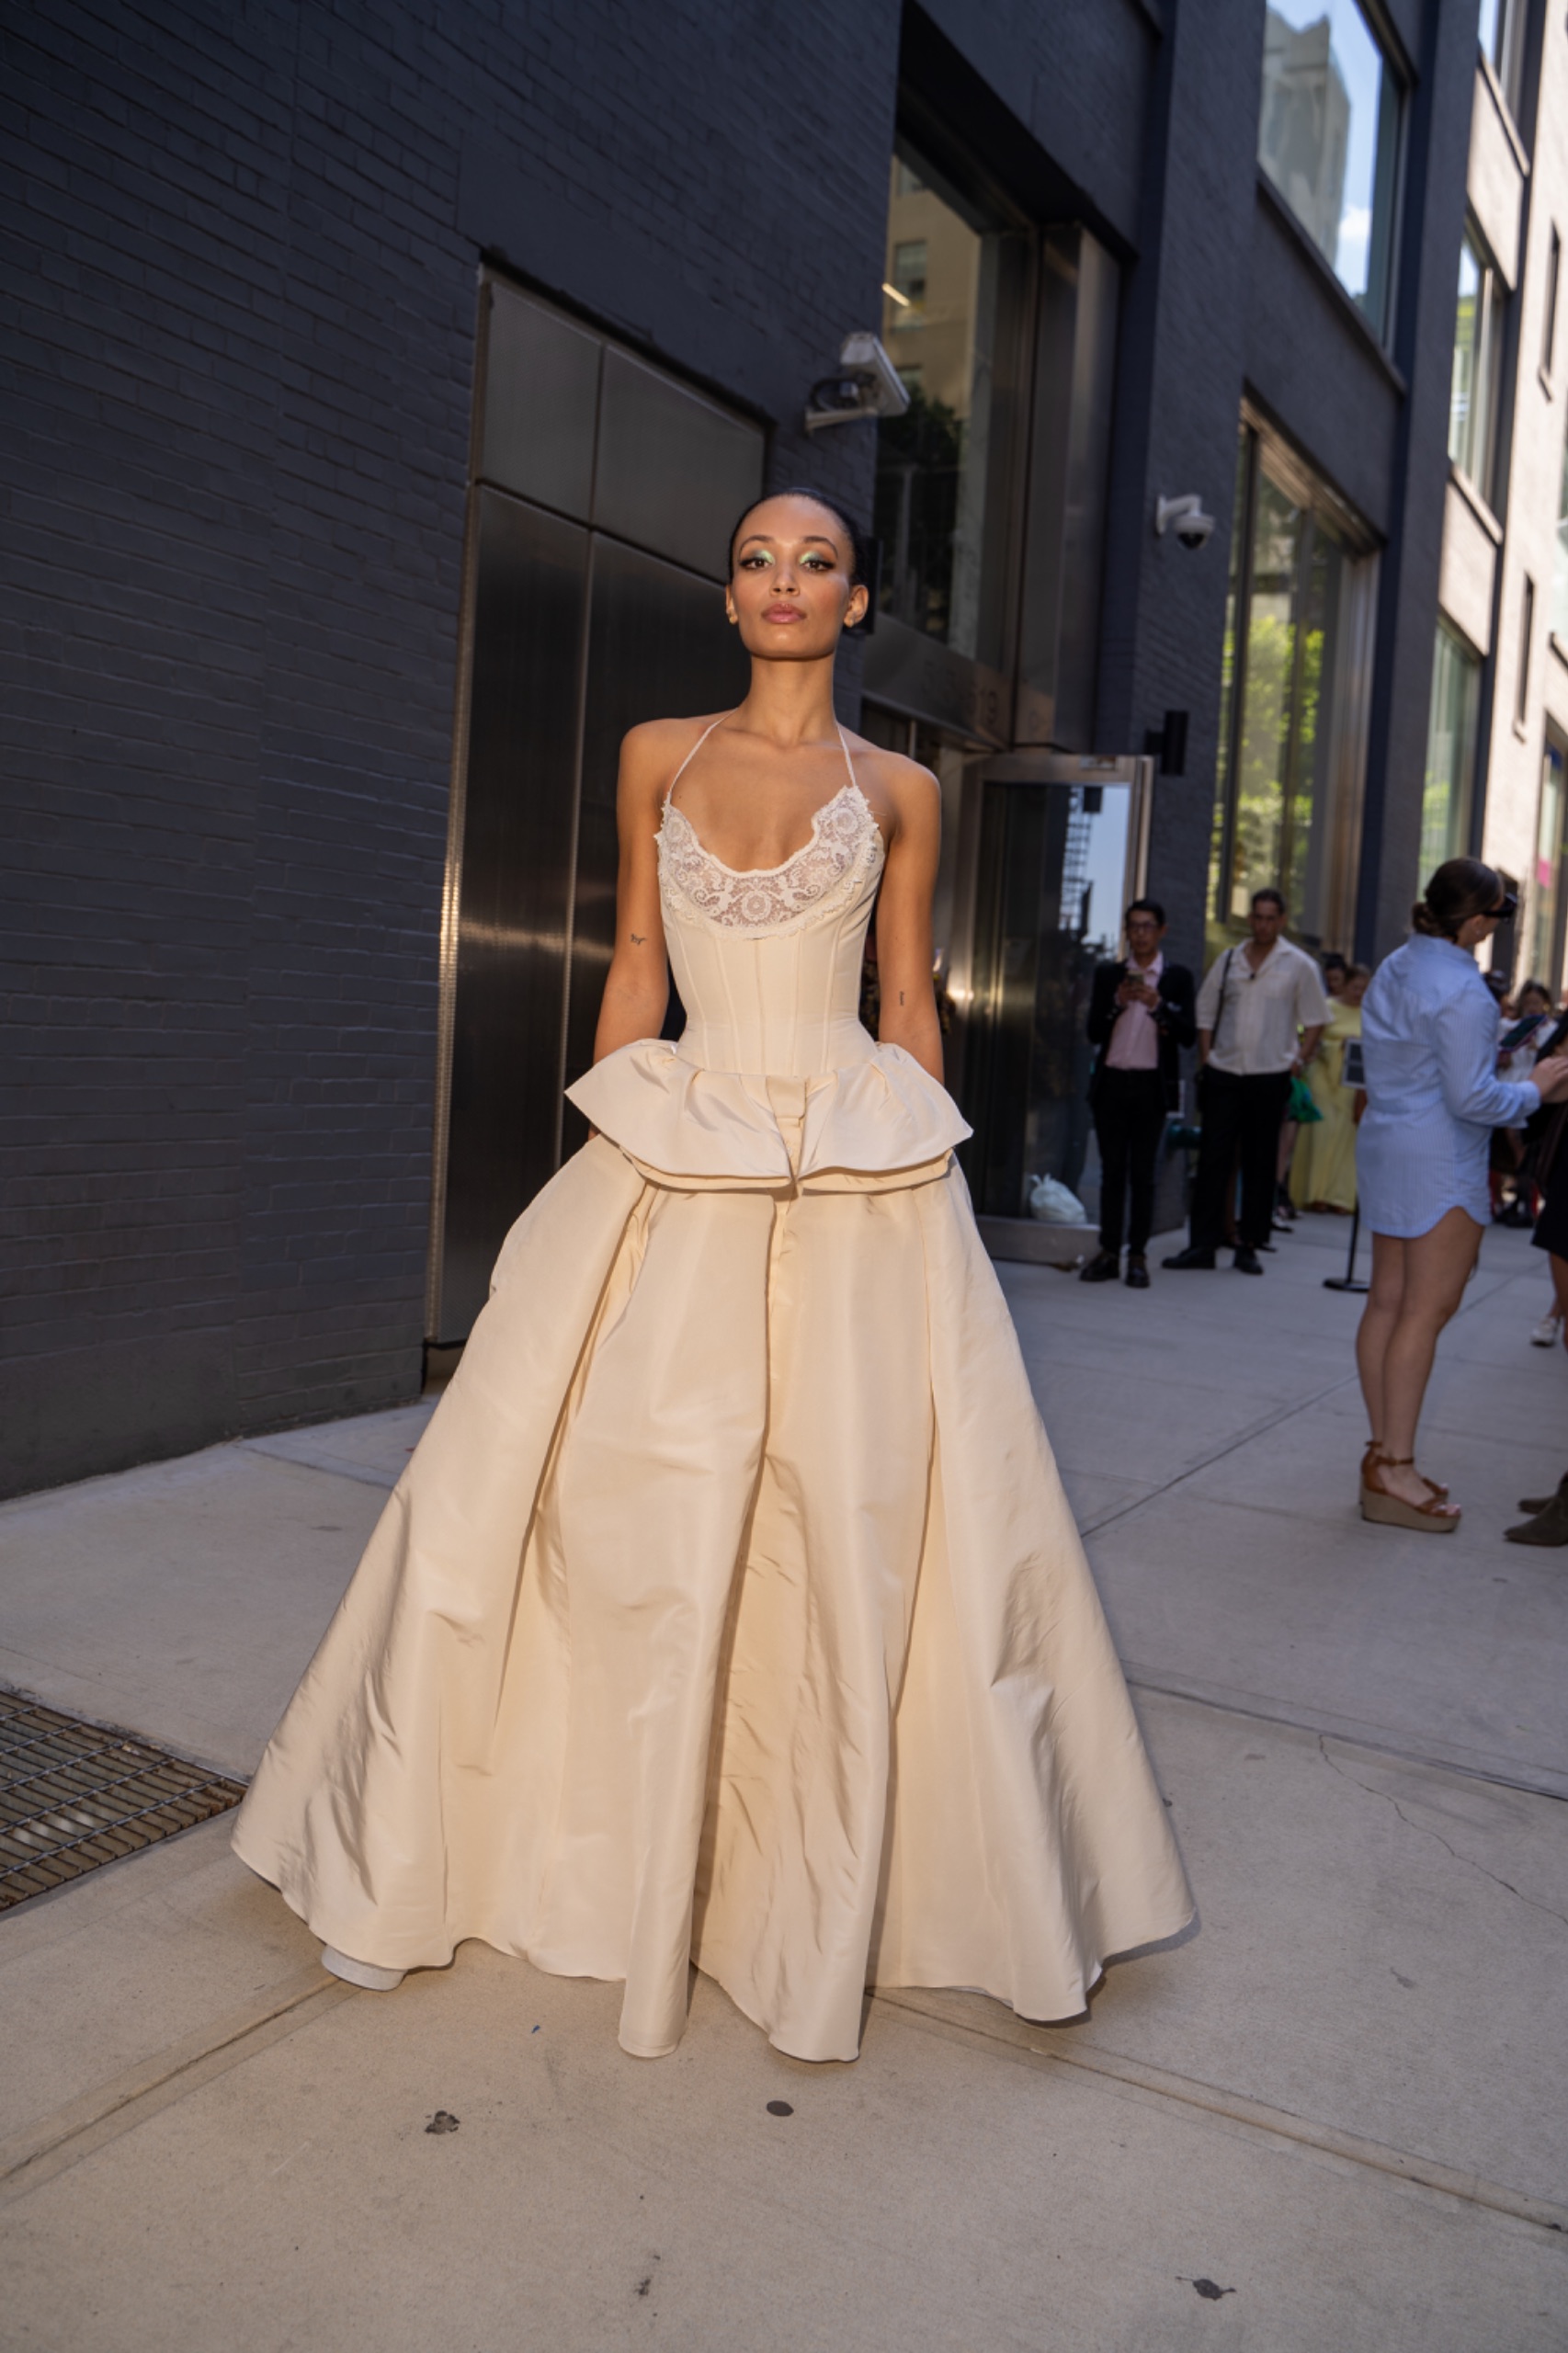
(639, 939)
(901, 996)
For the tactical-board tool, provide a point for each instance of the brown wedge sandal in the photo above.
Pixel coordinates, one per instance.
(1434, 1517)
(1375, 1452)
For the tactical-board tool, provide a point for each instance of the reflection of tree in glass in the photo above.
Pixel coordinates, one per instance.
(919, 459)
(1266, 720)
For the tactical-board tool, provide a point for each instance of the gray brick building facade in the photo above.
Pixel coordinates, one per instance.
(245, 256)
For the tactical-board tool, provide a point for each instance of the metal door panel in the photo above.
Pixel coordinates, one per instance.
(542, 379)
(659, 648)
(531, 609)
(674, 472)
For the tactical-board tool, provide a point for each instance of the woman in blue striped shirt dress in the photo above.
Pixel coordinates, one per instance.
(1430, 1040)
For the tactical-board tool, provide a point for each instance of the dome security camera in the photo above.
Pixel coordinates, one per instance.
(869, 386)
(1185, 517)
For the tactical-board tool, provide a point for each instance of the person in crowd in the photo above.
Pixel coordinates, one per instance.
(1334, 967)
(1261, 1011)
(1511, 1162)
(1323, 1174)
(1429, 1045)
(1141, 1016)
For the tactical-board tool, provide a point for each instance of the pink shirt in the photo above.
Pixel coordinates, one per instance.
(1135, 1042)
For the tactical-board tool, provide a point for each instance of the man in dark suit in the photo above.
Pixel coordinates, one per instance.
(1141, 1016)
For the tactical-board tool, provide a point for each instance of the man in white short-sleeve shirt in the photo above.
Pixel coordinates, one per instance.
(1261, 1011)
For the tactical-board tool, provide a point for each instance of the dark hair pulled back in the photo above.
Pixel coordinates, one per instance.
(846, 524)
(1460, 888)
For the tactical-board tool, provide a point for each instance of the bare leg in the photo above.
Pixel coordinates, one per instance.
(1385, 1297)
(1436, 1267)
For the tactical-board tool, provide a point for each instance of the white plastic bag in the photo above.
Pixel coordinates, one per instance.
(1053, 1203)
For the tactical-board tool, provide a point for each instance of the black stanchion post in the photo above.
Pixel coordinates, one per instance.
(1346, 1281)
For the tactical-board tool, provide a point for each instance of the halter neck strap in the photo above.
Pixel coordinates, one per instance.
(670, 788)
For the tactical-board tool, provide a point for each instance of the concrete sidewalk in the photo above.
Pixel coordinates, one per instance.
(1341, 2102)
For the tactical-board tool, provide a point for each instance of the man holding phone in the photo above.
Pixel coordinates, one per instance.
(1141, 1016)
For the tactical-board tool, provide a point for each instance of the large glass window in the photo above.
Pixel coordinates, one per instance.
(952, 312)
(1286, 811)
(1478, 350)
(1501, 32)
(1451, 752)
(1328, 138)
(1551, 850)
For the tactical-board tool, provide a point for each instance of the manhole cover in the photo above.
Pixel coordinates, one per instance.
(74, 1795)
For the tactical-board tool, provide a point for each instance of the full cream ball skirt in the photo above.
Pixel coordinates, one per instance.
(729, 1611)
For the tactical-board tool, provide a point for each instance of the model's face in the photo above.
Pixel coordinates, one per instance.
(790, 594)
(1268, 921)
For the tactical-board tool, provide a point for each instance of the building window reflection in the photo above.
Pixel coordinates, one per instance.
(1296, 671)
(1477, 351)
(1449, 788)
(953, 299)
(1328, 139)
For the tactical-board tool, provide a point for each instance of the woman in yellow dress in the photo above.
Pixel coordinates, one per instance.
(1323, 1174)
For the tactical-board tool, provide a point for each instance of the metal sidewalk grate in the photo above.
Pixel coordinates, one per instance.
(74, 1795)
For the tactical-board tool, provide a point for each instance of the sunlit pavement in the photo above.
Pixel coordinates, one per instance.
(1335, 2117)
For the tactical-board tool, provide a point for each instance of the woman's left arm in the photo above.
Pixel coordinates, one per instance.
(1466, 1040)
(908, 1013)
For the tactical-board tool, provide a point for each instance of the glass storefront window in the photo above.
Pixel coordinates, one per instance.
(1478, 350)
(1501, 31)
(1451, 752)
(1285, 808)
(1550, 849)
(1328, 139)
(952, 300)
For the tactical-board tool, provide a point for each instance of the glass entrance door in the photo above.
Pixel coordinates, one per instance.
(1063, 845)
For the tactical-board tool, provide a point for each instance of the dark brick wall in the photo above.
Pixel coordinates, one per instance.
(241, 297)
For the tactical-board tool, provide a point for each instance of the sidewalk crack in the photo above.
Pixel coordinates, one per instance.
(1426, 1831)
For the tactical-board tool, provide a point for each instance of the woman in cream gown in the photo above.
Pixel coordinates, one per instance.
(730, 1610)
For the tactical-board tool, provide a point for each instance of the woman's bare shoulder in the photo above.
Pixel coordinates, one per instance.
(652, 751)
(898, 787)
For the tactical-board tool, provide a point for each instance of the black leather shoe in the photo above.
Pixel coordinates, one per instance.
(1547, 1527)
(1104, 1267)
(1247, 1262)
(1137, 1274)
(1191, 1256)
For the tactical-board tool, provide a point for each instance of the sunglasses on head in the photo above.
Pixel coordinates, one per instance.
(1507, 905)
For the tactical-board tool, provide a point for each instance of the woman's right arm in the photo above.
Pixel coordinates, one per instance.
(637, 986)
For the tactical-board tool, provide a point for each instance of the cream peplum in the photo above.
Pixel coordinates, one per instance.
(730, 1610)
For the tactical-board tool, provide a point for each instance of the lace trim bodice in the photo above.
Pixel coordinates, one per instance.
(845, 852)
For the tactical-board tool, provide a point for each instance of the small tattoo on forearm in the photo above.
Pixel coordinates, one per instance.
(640, 939)
(901, 996)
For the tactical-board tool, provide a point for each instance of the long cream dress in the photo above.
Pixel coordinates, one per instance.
(730, 1610)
